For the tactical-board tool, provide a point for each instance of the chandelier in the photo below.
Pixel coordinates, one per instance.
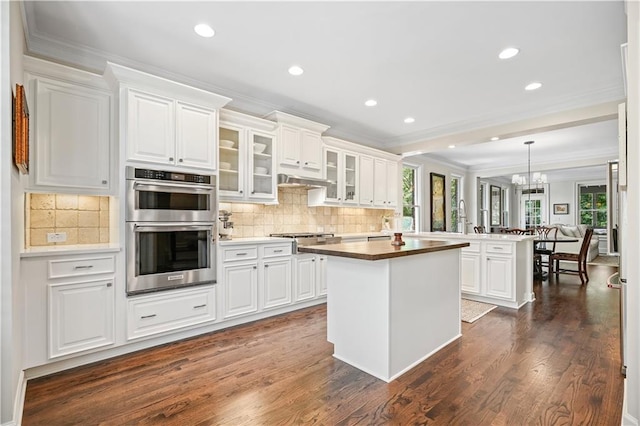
(537, 178)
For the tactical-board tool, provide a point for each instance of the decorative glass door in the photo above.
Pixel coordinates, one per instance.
(349, 181)
(532, 210)
(230, 162)
(262, 177)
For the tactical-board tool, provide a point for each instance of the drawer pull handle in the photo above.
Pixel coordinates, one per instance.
(148, 316)
(83, 267)
(241, 254)
(109, 284)
(200, 306)
(498, 248)
(277, 251)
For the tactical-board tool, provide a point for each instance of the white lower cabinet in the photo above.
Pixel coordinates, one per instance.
(81, 316)
(470, 269)
(276, 282)
(499, 276)
(240, 283)
(321, 275)
(170, 310)
(305, 277)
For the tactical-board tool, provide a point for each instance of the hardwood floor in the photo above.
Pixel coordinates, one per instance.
(553, 362)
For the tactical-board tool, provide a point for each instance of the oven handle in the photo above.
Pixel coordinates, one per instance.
(181, 187)
(172, 227)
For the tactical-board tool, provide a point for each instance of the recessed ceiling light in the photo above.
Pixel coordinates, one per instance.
(451, 146)
(509, 52)
(409, 120)
(371, 102)
(203, 30)
(533, 86)
(495, 138)
(295, 70)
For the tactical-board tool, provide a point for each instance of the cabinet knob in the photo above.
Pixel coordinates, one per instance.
(180, 160)
(241, 191)
(339, 199)
(313, 260)
(109, 284)
(255, 267)
(266, 266)
(298, 162)
(170, 158)
(306, 163)
(104, 182)
(253, 192)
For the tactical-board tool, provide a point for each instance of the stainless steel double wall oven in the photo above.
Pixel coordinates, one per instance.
(170, 229)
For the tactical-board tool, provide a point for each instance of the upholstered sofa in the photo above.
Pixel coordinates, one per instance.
(573, 232)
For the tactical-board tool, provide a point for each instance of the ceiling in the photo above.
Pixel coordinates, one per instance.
(434, 61)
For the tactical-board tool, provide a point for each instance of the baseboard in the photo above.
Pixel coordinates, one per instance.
(18, 403)
(628, 420)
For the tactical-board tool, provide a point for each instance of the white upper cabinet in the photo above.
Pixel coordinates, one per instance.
(366, 180)
(164, 122)
(385, 183)
(340, 168)
(196, 129)
(299, 145)
(150, 127)
(72, 135)
(247, 158)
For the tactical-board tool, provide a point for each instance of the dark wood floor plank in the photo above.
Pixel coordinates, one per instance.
(553, 362)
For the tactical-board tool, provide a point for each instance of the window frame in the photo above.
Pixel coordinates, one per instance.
(417, 194)
(593, 210)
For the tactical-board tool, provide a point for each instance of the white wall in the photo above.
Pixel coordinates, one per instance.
(11, 219)
(563, 193)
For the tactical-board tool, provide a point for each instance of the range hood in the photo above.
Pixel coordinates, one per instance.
(293, 181)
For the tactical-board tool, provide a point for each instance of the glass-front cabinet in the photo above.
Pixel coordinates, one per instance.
(247, 161)
(341, 169)
(262, 184)
(230, 165)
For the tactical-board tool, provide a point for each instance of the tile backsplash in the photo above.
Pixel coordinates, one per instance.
(84, 219)
(293, 215)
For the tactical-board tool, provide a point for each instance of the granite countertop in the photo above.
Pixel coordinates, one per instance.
(471, 237)
(42, 251)
(378, 250)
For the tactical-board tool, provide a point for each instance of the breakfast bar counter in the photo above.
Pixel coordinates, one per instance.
(391, 307)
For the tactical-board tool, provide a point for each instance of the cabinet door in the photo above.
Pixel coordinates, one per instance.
(331, 166)
(196, 134)
(392, 183)
(366, 180)
(499, 277)
(380, 182)
(321, 275)
(240, 289)
(72, 136)
(305, 278)
(349, 178)
(261, 166)
(150, 128)
(232, 161)
(81, 316)
(289, 153)
(470, 273)
(277, 283)
(311, 151)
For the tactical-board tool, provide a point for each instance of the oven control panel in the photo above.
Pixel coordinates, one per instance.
(170, 176)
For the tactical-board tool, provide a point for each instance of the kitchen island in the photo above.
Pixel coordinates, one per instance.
(390, 307)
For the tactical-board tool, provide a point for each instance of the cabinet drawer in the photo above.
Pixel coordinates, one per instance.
(499, 248)
(242, 253)
(474, 247)
(81, 267)
(279, 250)
(167, 311)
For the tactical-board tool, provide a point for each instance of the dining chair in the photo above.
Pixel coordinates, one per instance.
(479, 229)
(518, 231)
(580, 258)
(546, 249)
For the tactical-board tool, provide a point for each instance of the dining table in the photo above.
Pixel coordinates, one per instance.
(538, 273)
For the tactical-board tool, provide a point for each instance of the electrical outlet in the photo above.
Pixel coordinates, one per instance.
(56, 237)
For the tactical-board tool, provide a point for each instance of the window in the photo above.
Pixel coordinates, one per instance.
(410, 199)
(593, 206)
(456, 192)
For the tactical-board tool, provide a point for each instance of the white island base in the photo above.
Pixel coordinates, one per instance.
(386, 316)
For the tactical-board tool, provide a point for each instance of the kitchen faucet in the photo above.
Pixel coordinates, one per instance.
(462, 216)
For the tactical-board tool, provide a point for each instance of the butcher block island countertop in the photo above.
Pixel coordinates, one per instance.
(388, 307)
(378, 250)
